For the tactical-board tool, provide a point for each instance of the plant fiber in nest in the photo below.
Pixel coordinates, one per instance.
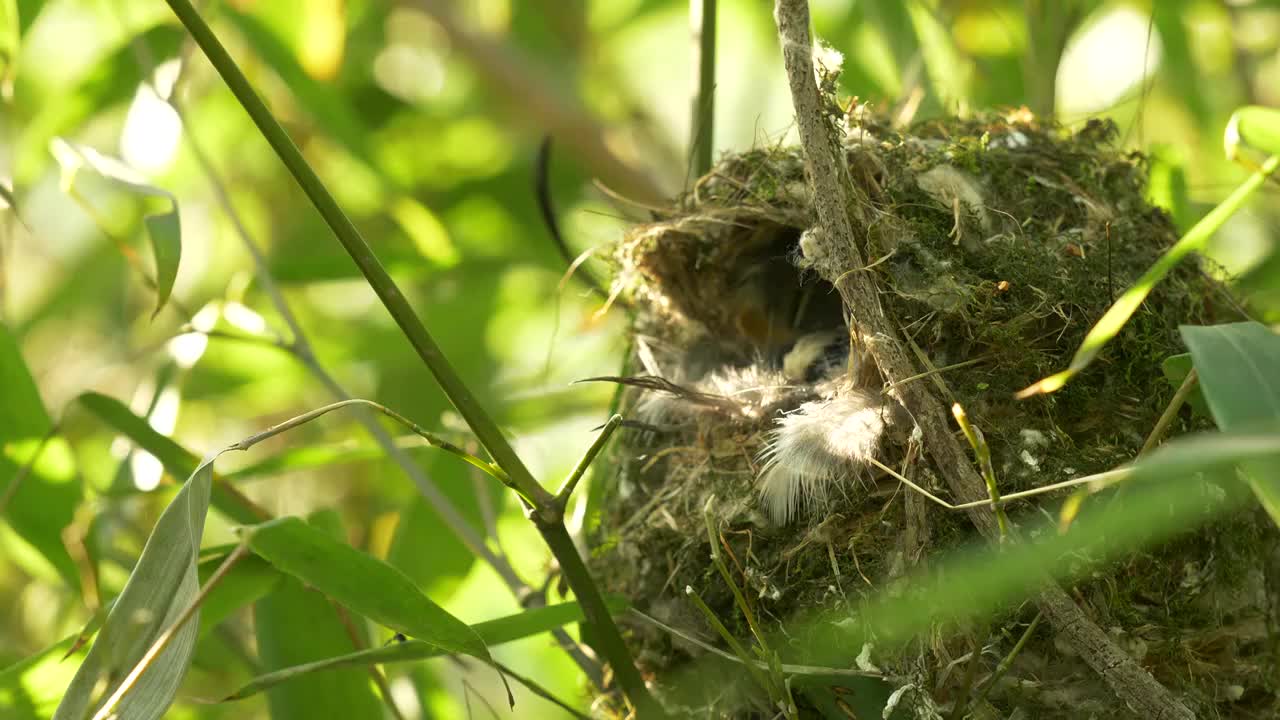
(997, 241)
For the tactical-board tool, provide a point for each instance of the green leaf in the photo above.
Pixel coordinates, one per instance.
(249, 580)
(441, 571)
(494, 632)
(1115, 318)
(110, 82)
(1253, 126)
(294, 624)
(10, 39)
(31, 688)
(162, 585)
(177, 460)
(361, 582)
(163, 229)
(44, 501)
(1239, 368)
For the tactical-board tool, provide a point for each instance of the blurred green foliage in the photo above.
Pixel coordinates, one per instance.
(434, 160)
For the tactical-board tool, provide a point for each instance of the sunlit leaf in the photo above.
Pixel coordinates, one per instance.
(31, 689)
(47, 490)
(361, 582)
(109, 81)
(177, 460)
(162, 585)
(163, 228)
(1254, 127)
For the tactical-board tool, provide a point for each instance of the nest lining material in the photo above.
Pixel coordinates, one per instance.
(998, 241)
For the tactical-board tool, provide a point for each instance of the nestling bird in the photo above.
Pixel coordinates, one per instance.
(821, 422)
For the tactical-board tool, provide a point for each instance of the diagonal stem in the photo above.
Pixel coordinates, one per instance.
(547, 517)
(301, 349)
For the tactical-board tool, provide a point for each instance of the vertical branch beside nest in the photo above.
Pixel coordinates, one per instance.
(832, 249)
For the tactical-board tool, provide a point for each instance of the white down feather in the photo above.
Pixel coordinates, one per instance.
(819, 444)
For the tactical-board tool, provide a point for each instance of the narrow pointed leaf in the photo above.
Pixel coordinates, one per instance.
(1255, 127)
(493, 632)
(1239, 368)
(177, 460)
(362, 583)
(162, 585)
(47, 489)
(163, 229)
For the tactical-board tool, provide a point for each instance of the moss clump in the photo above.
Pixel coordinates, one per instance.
(997, 242)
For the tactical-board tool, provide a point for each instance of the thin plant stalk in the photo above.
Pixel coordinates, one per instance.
(167, 636)
(702, 25)
(546, 514)
(300, 348)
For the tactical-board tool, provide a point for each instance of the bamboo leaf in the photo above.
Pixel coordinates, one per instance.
(163, 229)
(1253, 126)
(1239, 368)
(39, 487)
(162, 585)
(294, 624)
(361, 582)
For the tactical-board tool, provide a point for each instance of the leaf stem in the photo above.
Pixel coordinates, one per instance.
(562, 495)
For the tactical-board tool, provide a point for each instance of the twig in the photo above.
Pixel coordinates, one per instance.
(540, 691)
(566, 490)
(833, 248)
(1170, 413)
(1007, 661)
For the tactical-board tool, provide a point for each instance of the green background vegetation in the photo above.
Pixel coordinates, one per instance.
(432, 156)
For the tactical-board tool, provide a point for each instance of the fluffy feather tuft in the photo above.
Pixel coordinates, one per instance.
(815, 447)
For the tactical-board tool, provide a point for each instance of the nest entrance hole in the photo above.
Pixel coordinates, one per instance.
(770, 303)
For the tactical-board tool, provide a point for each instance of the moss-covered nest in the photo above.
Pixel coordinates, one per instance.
(996, 243)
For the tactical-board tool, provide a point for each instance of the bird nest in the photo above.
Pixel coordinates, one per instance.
(756, 417)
